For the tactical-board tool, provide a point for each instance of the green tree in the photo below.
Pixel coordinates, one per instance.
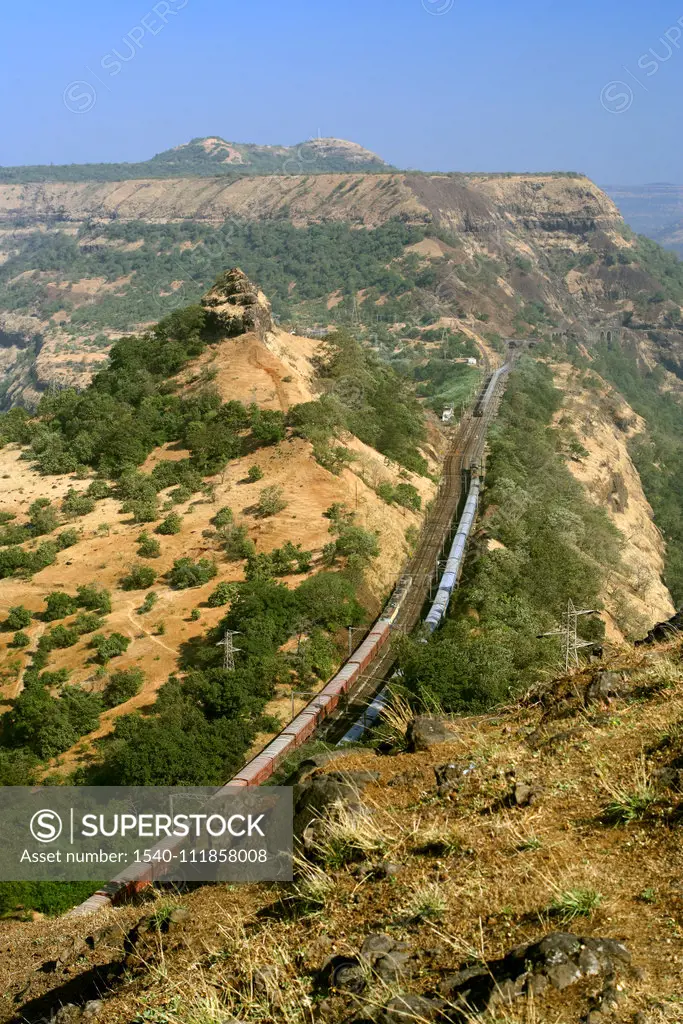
(58, 605)
(138, 577)
(173, 523)
(186, 573)
(122, 685)
(18, 617)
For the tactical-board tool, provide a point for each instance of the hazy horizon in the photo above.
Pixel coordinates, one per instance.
(434, 85)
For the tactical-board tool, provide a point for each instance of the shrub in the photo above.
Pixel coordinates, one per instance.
(148, 547)
(385, 491)
(186, 573)
(172, 524)
(195, 615)
(87, 622)
(98, 489)
(61, 637)
(122, 686)
(148, 604)
(179, 495)
(271, 501)
(236, 543)
(354, 540)
(408, 496)
(402, 494)
(93, 598)
(108, 647)
(223, 517)
(67, 539)
(144, 510)
(76, 504)
(575, 903)
(14, 534)
(18, 617)
(43, 517)
(140, 577)
(222, 595)
(58, 605)
(20, 639)
(255, 473)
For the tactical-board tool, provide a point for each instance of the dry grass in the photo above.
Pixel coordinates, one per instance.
(476, 875)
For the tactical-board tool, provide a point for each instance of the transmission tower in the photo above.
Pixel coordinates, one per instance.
(229, 649)
(569, 633)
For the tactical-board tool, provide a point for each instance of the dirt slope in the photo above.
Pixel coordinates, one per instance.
(275, 372)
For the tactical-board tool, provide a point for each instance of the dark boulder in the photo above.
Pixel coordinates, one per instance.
(664, 631)
(425, 731)
(319, 794)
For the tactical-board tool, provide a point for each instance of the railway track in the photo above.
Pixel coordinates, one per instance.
(466, 449)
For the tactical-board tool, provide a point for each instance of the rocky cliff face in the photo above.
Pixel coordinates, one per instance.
(501, 247)
(602, 423)
(235, 306)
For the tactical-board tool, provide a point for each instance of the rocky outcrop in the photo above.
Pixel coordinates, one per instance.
(664, 631)
(556, 961)
(235, 306)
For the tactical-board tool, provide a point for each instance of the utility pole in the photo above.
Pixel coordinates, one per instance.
(229, 649)
(352, 630)
(569, 633)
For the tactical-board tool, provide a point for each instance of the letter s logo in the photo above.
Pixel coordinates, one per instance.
(79, 97)
(46, 826)
(617, 97)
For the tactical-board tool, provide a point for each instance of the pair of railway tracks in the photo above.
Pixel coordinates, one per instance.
(421, 571)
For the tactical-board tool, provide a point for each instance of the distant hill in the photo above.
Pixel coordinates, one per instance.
(654, 210)
(211, 157)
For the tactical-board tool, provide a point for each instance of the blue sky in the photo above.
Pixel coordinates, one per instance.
(433, 84)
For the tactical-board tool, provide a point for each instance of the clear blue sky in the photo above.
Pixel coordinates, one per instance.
(434, 84)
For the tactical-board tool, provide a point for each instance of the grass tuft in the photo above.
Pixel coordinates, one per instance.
(575, 903)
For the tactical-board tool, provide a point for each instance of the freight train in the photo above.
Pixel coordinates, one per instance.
(307, 721)
(301, 728)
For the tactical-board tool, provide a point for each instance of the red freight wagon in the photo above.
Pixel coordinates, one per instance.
(302, 727)
(256, 771)
(345, 677)
(323, 701)
(333, 697)
(382, 630)
(278, 748)
(368, 650)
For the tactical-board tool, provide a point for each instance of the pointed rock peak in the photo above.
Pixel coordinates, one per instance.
(235, 306)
